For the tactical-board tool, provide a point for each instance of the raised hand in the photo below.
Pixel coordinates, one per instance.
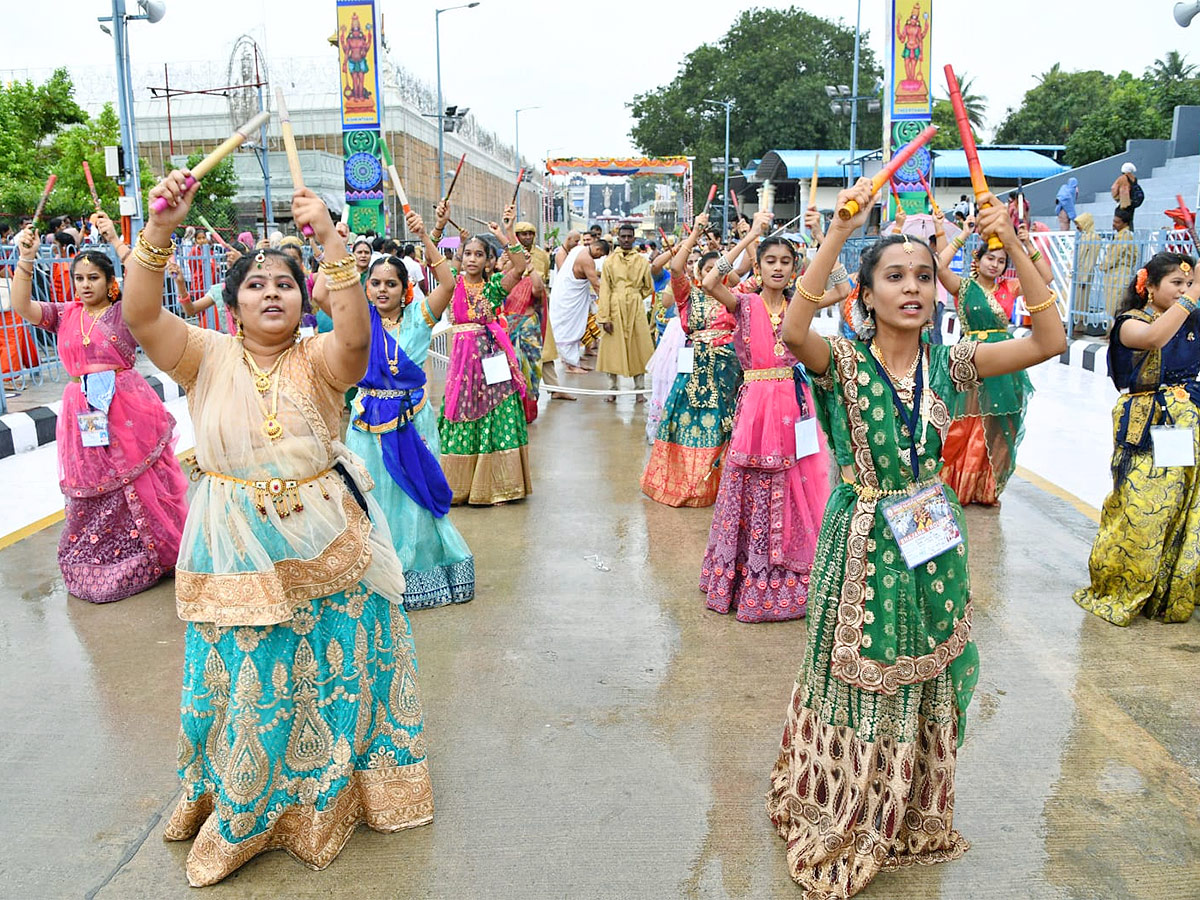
(104, 225)
(994, 219)
(178, 195)
(27, 243)
(700, 224)
(762, 222)
(416, 224)
(309, 209)
(862, 195)
(442, 215)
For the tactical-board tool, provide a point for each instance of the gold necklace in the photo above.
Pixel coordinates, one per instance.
(263, 382)
(777, 320)
(908, 381)
(87, 335)
(393, 360)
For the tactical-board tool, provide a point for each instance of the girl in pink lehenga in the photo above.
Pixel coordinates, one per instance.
(770, 500)
(124, 490)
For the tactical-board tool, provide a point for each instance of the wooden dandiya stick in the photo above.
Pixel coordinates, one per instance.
(782, 227)
(517, 189)
(884, 175)
(933, 204)
(87, 173)
(394, 177)
(49, 189)
(812, 187)
(454, 180)
(209, 162)
(978, 182)
(712, 192)
(293, 155)
(216, 234)
(484, 222)
(737, 207)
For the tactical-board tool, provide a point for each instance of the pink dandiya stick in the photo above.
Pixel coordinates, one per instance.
(454, 180)
(293, 155)
(209, 162)
(933, 204)
(712, 192)
(884, 175)
(37, 213)
(87, 173)
(737, 207)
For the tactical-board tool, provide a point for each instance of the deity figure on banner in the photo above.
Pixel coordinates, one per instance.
(912, 32)
(356, 43)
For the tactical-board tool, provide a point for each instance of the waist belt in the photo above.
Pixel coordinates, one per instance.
(984, 332)
(871, 494)
(77, 379)
(467, 326)
(710, 334)
(778, 373)
(283, 493)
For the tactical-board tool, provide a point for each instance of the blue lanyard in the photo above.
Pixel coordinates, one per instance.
(911, 419)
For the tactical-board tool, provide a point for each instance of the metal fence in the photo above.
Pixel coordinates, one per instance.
(29, 355)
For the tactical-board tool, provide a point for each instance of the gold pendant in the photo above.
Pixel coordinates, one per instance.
(87, 341)
(262, 383)
(394, 369)
(271, 428)
(780, 350)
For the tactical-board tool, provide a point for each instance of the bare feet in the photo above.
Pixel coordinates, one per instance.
(558, 396)
(610, 399)
(641, 398)
(577, 370)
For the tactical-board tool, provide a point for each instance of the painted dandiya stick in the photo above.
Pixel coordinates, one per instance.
(812, 187)
(394, 176)
(784, 226)
(517, 189)
(216, 234)
(454, 180)
(933, 204)
(884, 175)
(289, 145)
(978, 182)
(49, 189)
(737, 207)
(87, 173)
(712, 192)
(209, 162)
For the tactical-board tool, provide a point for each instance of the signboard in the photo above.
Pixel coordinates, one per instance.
(361, 115)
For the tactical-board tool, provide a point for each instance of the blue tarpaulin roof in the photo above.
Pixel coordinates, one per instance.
(1008, 164)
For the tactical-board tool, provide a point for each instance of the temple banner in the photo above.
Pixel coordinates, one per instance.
(361, 115)
(908, 104)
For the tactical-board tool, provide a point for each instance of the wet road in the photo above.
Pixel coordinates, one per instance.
(594, 732)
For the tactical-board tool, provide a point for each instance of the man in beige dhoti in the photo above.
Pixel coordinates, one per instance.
(625, 344)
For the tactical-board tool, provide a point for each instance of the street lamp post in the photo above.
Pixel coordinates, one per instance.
(437, 31)
(152, 11)
(854, 89)
(728, 104)
(517, 150)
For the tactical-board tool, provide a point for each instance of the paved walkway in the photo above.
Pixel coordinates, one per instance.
(594, 732)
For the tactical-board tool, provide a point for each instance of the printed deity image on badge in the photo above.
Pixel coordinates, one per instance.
(923, 525)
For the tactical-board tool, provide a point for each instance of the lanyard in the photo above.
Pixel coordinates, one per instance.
(911, 419)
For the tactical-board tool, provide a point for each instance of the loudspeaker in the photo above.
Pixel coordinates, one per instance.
(1185, 12)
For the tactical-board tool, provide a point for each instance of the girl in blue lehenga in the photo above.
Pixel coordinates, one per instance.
(394, 430)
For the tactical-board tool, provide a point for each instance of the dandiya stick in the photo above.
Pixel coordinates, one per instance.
(209, 162)
(712, 192)
(293, 155)
(49, 189)
(884, 175)
(454, 180)
(737, 207)
(517, 189)
(216, 234)
(784, 226)
(394, 177)
(978, 182)
(87, 173)
(933, 204)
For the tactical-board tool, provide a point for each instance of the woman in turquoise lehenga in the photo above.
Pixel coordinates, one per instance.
(300, 714)
(393, 428)
(864, 779)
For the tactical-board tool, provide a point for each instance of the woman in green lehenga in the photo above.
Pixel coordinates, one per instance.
(980, 449)
(864, 780)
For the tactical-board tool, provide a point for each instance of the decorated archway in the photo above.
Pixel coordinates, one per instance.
(618, 167)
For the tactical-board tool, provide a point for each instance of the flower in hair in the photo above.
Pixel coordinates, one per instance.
(1140, 285)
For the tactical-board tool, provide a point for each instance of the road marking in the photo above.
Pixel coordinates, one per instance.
(1054, 490)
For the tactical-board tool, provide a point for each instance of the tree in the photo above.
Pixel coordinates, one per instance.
(1127, 113)
(774, 65)
(1172, 83)
(29, 114)
(1050, 111)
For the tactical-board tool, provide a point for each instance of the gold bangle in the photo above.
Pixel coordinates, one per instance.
(157, 251)
(434, 263)
(809, 296)
(341, 284)
(1043, 306)
(148, 263)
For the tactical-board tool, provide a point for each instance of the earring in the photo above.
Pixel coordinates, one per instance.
(296, 333)
(239, 334)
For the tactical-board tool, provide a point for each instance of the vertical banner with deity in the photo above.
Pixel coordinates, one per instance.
(908, 99)
(361, 114)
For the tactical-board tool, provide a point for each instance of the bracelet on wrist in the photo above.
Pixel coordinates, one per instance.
(1035, 255)
(1032, 310)
(807, 295)
(1187, 303)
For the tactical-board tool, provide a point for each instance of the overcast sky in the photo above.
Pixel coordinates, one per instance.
(581, 64)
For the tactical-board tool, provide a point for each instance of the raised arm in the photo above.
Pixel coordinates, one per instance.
(1036, 255)
(714, 281)
(350, 344)
(679, 260)
(108, 231)
(514, 249)
(1047, 338)
(21, 295)
(950, 281)
(439, 298)
(162, 334)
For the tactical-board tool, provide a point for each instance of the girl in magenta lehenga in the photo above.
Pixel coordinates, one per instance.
(124, 490)
(771, 497)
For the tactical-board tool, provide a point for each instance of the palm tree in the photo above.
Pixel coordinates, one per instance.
(974, 104)
(1172, 69)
